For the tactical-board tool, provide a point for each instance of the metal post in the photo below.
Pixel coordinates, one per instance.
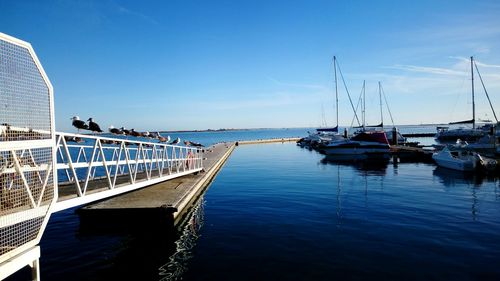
(394, 136)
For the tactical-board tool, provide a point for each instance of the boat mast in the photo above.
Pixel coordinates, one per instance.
(380, 99)
(364, 106)
(473, 104)
(336, 90)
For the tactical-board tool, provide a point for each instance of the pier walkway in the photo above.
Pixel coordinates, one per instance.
(166, 201)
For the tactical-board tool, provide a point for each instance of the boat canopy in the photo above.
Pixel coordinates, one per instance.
(381, 125)
(463, 122)
(334, 129)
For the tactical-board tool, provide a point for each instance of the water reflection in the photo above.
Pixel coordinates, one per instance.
(364, 165)
(175, 268)
(450, 177)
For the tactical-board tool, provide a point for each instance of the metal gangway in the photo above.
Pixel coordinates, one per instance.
(92, 168)
(43, 171)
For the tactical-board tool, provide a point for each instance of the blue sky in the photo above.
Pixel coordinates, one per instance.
(178, 65)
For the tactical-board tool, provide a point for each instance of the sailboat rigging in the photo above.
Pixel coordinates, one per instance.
(445, 134)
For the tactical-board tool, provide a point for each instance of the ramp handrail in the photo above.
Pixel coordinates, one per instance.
(105, 158)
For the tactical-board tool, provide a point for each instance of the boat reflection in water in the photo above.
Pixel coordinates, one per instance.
(451, 178)
(362, 162)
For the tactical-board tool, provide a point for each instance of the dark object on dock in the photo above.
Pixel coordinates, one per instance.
(93, 126)
(192, 143)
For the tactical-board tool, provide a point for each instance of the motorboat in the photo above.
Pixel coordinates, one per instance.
(456, 159)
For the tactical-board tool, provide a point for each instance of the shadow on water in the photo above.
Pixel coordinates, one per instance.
(117, 250)
(364, 165)
(150, 250)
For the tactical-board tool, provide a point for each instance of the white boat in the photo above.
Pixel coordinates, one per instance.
(486, 145)
(371, 143)
(461, 160)
(468, 134)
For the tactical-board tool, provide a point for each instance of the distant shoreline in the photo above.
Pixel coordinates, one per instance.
(291, 128)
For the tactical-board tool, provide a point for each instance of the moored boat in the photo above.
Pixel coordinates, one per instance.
(373, 143)
(456, 159)
(445, 134)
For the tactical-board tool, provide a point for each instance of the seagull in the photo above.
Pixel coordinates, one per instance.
(176, 141)
(196, 144)
(79, 124)
(134, 133)
(125, 131)
(162, 138)
(115, 131)
(192, 143)
(93, 126)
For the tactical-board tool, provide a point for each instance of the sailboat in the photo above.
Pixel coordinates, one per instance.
(325, 134)
(467, 134)
(364, 142)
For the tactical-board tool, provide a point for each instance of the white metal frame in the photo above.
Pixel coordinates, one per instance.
(156, 162)
(16, 257)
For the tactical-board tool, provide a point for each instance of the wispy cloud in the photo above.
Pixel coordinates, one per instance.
(427, 69)
(125, 11)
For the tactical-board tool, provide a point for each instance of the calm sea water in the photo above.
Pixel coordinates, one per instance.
(280, 212)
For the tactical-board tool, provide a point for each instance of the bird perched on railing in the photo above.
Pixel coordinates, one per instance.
(125, 131)
(176, 141)
(93, 126)
(79, 124)
(134, 133)
(162, 138)
(115, 131)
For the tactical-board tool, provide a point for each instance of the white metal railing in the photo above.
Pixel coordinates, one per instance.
(107, 159)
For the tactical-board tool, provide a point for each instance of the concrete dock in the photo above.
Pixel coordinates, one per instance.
(267, 141)
(166, 202)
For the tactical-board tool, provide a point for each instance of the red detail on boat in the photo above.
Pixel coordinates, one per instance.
(375, 136)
